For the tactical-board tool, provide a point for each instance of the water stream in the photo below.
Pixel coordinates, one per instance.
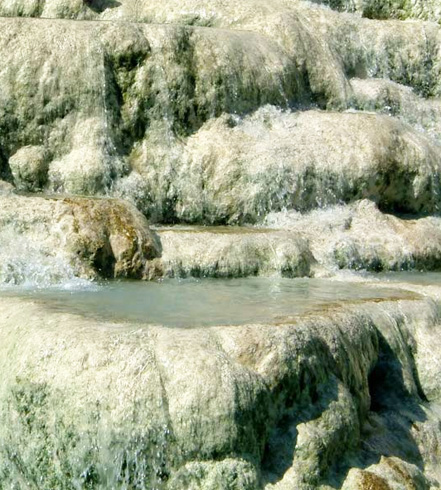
(275, 146)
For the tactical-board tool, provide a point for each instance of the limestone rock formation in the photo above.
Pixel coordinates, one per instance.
(251, 407)
(302, 161)
(313, 128)
(232, 252)
(390, 473)
(135, 110)
(357, 237)
(47, 240)
(389, 9)
(29, 168)
(361, 237)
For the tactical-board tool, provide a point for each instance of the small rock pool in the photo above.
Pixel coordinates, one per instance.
(206, 302)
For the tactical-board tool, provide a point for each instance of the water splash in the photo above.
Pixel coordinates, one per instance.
(28, 265)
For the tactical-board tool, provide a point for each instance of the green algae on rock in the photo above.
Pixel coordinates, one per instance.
(216, 112)
(91, 99)
(235, 171)
(114, 96)
(389, 9)
(273, 161)
(254, 406)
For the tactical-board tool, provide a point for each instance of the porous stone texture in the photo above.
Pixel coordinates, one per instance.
(137, 109)
(389, 9)
(389, 474)
(359, 236)
(272, 160)
(318, 243)
(6, 188)
(292, 405)
(48, 240)
(29, 168)
(317, 121)
(214, 12)
(232, 252)
(92, 96)
(387, 97)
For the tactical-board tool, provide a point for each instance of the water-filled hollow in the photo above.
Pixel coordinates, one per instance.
(208, 302)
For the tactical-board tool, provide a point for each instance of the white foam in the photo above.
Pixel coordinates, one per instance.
(26, 264)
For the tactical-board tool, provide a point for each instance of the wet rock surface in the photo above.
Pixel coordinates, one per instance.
(172, 116)
(255, 406)
(357, 237)
(285, 137)
(274, 160)
(51, 239)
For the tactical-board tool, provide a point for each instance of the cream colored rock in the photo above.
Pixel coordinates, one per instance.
(83, 171)
(50, 240)
(356, 236)
(92, 97)
(390, 9)
(88, 168)
(228, 473)
(6, 188)
(364, 480)
(325, 56)
(384, 96)
(236, 171)
(109, 97)
(230, 252)
(361, 237)
(170, 117)
(252, 406)
(318, 440)
(425, 432)
(389, 474)
(29, 168)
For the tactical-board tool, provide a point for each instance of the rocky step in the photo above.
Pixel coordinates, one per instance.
(111, 97)
(85, 403)
(51, 239)
(47, 240)
(387, 97)
(389, 9)
(356, 236)
(237, 170)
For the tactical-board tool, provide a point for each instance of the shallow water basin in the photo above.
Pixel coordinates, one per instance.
(206, 302)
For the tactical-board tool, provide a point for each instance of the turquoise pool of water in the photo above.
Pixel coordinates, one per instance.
(205, 302)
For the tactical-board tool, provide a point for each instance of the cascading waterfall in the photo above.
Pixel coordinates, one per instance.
(220, 245)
